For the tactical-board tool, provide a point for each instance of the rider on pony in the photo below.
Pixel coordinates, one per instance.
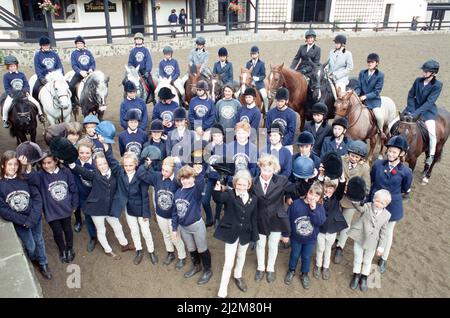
(140, 55)
(198, 57)
(83, 63)
(169, 68)
(45, 61)
(14, 81)
(422, 102)
(258, 75)
(370, 84)
(340, 63)
(306, 52)
(223, 67)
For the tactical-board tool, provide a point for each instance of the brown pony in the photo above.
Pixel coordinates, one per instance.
(296, 84)
(362, 124)
(245, 80)
(413, 133)
(190, 87)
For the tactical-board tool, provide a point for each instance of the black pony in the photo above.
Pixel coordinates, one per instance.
(94, 94)
(320, 89)
(22, 117)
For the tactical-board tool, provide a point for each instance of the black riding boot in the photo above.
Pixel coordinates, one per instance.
(207, 273)
(196, 267)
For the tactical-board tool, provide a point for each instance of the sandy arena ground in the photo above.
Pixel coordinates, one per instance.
(418, 264)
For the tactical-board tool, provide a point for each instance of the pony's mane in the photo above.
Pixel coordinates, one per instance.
(98, 76)
(54, 76)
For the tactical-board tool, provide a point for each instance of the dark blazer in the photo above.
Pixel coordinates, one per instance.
(319, 135)
(335, 221)
(131, 195)
(226, 72)
(259, 70)
(239, 220)
(370, 87)
(313, 54)
(422, 99)
(397, 183)
(271, 215)
(100, 199)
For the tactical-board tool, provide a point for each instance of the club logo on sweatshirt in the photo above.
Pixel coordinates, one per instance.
(58, 190)
(139, 57)
(49, 63)
(135, 147)
(200, 110)
(167, 115)
(18, 200)
(84, 59)
(227, 112)
(303, 226)
(169, 69)
(182, 207)
(17, 84)
(244, 119)
(280, 122)
(165, 199)
(241, 161)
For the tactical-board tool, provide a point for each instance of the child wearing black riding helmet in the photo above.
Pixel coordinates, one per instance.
(338, 142)
(319, 126)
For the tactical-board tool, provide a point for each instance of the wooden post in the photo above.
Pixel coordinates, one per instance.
(107, 22)
(193, 17)
(256, 15)
(154, 28)
(202, 15)
(396, 28)
(334, 26)
(51, 30)
(227, 28)
(356, 26)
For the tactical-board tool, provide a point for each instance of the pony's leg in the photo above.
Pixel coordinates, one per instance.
(33, 134)
(373, 144)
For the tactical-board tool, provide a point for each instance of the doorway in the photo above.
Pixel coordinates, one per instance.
(32, 17)
(136, 13)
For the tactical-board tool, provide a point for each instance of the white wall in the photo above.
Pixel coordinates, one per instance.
(88, 19)
(405, 10)
(8, 5)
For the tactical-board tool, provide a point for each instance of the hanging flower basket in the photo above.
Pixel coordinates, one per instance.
(158, 6)
(49, 6)
(236, 8)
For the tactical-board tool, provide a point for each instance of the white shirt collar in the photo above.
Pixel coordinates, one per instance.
(107, 174)
(251, 105)
(171, 177)
(89, 161)
(130, 176)
(181, 131)
(276, 147)
(130, 98)
(17, 72)
(13, 177)
(55, 171)
(132, 131)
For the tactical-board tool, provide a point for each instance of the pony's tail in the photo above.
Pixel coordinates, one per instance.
(12, 132)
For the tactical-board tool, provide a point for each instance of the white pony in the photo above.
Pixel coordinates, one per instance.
(166, 82)
(55, 97)
(92, 92)
(132, 75)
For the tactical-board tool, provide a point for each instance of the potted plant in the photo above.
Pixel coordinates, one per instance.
(49, 6)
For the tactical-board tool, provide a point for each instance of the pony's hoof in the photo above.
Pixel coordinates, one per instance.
(424, 181)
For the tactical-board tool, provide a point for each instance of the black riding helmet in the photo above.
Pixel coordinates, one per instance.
(430, 66)
(309, 33)
(319, 108)
(11, 59)
(373, 57)
(340, 38)
(398, 142)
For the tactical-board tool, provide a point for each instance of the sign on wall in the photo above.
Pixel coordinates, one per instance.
(97, 6)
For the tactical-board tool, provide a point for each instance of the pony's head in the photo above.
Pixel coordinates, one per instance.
(59, 89)
(245, 78)
(101, 81)
(342, 104)
(21, 110)
(276, 79)
(407, 127)
(316, 78)
(132, 75)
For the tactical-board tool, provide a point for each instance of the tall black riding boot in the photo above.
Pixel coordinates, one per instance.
(196, 267)
(207, 273)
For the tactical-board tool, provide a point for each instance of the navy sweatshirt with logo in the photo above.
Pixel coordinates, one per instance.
(188, 203)
(20, 203)
(59, 192)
